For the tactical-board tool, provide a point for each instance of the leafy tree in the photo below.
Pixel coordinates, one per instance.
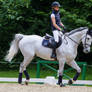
(33, 17)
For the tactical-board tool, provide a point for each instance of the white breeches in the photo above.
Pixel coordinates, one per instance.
(56, 35)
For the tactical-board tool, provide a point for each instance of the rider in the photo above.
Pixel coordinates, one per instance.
(55, 25)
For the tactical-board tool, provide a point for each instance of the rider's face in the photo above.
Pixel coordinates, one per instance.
(56, 8)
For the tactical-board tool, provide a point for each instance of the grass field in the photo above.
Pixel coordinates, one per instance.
(44, 72)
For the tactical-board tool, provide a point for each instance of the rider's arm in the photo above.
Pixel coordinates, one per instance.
(63, 27)
(61, 24)
(54, 22)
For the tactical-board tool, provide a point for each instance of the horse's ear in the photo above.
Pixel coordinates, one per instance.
(89, 32)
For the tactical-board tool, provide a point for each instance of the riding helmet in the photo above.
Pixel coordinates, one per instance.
(55, 3)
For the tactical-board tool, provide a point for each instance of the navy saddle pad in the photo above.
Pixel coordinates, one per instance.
(49, 42)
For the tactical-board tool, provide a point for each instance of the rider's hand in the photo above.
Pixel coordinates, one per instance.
(65, 29)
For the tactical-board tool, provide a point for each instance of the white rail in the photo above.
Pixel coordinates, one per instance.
(41, 80)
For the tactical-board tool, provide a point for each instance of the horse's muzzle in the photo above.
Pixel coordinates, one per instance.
(86, 50)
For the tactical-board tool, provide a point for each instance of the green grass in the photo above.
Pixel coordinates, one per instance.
(89, 74)
(44, 72)
(89, 85)
(14, 73)
(9, 73)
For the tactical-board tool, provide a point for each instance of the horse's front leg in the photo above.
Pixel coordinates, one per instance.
(74, 65)
(61, 68)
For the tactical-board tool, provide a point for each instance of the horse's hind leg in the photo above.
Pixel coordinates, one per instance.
(26, 73)
(74, 65)
(23, 66)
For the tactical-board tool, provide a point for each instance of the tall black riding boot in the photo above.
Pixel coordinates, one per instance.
(53, 53)
(54, 45)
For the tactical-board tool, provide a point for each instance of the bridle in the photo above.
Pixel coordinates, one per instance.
(85, 44)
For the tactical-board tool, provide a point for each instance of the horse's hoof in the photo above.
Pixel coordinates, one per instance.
(62, 85)
(26, 82)
(70, 82)
(58, 83)
(21, 83)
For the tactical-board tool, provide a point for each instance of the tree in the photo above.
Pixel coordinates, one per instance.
(32, 17)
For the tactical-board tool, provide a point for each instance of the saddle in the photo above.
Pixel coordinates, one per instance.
(49, 42)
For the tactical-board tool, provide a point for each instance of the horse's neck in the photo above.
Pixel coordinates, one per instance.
(76, 37)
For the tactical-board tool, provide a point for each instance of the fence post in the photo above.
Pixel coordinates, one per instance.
(84, 71)
(45, 63)
(38, 70)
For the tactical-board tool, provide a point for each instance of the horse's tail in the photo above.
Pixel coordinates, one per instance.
(13, 47)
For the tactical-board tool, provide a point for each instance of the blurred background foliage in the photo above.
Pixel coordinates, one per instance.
(33, 17)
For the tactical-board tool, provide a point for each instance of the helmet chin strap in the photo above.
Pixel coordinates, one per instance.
(55, 11)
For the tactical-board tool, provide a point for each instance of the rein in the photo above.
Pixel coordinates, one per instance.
(80, 40)
(71, 39)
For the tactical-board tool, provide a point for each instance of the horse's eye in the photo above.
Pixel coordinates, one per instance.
(88, 38)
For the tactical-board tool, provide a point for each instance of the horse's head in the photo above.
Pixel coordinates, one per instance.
(86, 41)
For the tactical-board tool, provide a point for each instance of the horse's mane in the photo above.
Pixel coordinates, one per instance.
(77, 30)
